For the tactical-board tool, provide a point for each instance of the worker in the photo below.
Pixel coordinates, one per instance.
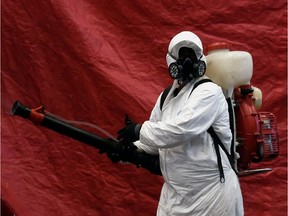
(177, 131)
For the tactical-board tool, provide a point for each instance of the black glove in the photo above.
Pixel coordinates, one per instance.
(130, 153)
(127, 147)
(130, 133)
(126, 153)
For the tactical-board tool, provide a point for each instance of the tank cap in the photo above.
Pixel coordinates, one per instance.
(217, 46)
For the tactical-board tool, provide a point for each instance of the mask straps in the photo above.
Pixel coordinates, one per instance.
(172, 56)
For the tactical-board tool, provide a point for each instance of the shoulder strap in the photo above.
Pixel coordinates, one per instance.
(232, 128)
(164, 95)
(217, 143)
(199, 83)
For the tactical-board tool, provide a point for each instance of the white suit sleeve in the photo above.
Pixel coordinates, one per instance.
(196, 116)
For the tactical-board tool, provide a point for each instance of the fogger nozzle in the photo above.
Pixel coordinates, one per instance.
(20, 109)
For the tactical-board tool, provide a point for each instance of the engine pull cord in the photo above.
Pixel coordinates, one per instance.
(82, 123)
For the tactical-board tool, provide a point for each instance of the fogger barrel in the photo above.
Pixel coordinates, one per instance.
(39, 117)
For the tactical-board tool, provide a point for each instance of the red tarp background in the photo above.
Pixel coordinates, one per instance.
(94, 61)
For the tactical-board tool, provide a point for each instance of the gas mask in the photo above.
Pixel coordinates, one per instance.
(186, 69)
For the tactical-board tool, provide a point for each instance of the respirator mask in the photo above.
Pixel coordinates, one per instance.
(187, 67)
(186, 70)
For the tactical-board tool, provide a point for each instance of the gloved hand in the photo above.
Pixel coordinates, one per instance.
(115, 157)
(130, 133)
(126, 153)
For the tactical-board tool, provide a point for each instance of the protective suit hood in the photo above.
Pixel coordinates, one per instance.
(184, 39)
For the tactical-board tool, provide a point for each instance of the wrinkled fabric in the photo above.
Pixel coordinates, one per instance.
(95, 61)
(187, 156)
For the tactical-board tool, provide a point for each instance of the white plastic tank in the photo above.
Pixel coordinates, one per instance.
(229, 69)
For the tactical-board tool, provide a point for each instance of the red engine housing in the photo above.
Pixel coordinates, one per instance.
(256, 133)
(268, 143)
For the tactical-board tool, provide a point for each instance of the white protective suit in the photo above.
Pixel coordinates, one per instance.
(188, 160)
